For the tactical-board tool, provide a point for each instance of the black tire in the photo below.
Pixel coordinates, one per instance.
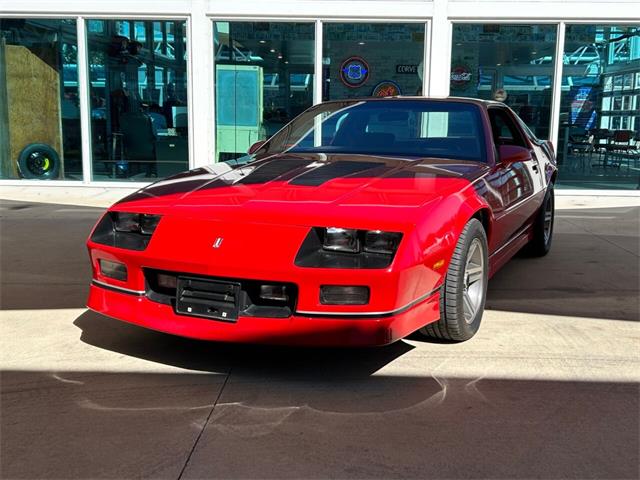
(453, 325)
(540, 244)
(39, 161)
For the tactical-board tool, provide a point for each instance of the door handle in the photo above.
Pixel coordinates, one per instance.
(535, 167)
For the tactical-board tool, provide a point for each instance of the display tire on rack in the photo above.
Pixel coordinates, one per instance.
(39, 161)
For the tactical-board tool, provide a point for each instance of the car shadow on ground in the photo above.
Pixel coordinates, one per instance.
(216, 357)
(306, 413)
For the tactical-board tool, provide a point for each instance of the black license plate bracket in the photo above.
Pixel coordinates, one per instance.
(214, 299)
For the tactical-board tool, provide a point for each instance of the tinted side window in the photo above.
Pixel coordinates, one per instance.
(505, 131)
(527, 131)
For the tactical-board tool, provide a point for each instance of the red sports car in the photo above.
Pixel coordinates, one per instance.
(358, 223)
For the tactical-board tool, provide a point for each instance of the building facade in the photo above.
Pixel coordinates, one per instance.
(126, 93)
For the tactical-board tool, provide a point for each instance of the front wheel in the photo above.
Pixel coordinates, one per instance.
(463, 293)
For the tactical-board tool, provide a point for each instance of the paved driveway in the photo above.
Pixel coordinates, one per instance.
(547, 389)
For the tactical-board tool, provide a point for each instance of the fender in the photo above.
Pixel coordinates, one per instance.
(436, 237)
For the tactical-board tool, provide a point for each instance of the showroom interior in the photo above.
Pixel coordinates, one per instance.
(104, 94)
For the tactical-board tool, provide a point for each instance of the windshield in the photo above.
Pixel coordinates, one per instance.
(418, 128)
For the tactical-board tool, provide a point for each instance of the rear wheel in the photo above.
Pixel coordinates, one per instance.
(463, 293)
(540, 244)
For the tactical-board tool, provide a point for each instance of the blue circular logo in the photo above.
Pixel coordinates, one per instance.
(354, 72)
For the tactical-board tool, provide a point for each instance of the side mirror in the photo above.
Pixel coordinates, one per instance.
(256, 146)
(513, 154)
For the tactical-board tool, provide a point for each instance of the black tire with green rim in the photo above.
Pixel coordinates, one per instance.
(540, 244)
(464, 291)
(39, 161)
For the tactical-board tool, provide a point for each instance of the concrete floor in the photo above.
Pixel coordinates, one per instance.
(547, 389)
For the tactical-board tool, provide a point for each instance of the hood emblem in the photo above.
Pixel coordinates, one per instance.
(218, 242)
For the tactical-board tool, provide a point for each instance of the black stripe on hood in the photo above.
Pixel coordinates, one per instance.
(333, 170)
(273, 170)
(168, 188)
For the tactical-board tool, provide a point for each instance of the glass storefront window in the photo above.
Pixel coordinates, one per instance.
(372, 59)
(263, 79)
(599, 138)
(138, 99)
(509, 63)
(39, 103)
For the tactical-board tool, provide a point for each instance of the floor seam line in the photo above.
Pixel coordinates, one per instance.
(206, 422)
(603, 238)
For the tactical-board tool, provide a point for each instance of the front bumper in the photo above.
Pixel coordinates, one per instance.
(402, 297)
(321, 330)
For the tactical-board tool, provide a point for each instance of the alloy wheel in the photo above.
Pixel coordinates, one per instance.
(473, 279)
(548, 219)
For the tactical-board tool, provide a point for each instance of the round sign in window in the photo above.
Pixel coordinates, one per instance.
(386, 89)
(354, 72)
(460, 76)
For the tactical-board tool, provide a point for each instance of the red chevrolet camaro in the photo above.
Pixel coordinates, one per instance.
(358, 223)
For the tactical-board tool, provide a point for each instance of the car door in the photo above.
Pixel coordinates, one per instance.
(515, 183)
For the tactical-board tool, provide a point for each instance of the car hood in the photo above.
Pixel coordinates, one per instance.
(309, 189)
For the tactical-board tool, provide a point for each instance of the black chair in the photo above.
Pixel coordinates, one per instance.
(601, 138)
(621, 147)
(580, 146)
(139, 141)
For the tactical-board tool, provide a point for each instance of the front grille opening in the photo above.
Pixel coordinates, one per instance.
(255, 298)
